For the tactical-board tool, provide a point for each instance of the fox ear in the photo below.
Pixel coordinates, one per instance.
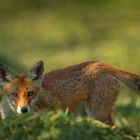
(37, 70)
(5, 74)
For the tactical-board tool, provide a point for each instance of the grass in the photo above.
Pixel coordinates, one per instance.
(64, 33)
(58, 125)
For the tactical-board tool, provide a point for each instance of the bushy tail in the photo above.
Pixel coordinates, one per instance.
(130, 79)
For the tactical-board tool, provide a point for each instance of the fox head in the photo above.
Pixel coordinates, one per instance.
(22, 90)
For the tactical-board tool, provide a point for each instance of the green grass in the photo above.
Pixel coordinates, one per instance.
(57, 125)
(68, 32)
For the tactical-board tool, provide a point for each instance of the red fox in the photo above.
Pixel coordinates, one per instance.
(94, 83)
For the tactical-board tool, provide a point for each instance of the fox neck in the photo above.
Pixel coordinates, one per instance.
(44, 100)
(11, 105)
(7, 108)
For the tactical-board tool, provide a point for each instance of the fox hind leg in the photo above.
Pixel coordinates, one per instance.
(101, 102)
(100, 108)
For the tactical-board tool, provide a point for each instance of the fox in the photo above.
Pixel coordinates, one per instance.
(94, 83)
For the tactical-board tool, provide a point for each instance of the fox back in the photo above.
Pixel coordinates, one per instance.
(93, 83)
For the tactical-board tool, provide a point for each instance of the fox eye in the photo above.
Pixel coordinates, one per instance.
(30, 93)
(14, 94)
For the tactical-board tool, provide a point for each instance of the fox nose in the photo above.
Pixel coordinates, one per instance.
(24, 109)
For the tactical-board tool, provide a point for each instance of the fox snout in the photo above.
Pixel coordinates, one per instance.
(24, 109)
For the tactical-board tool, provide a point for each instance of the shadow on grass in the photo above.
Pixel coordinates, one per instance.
(20, 6)
(12, 63)
(127, 110)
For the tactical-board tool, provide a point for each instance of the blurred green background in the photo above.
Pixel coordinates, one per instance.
(66, 32)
